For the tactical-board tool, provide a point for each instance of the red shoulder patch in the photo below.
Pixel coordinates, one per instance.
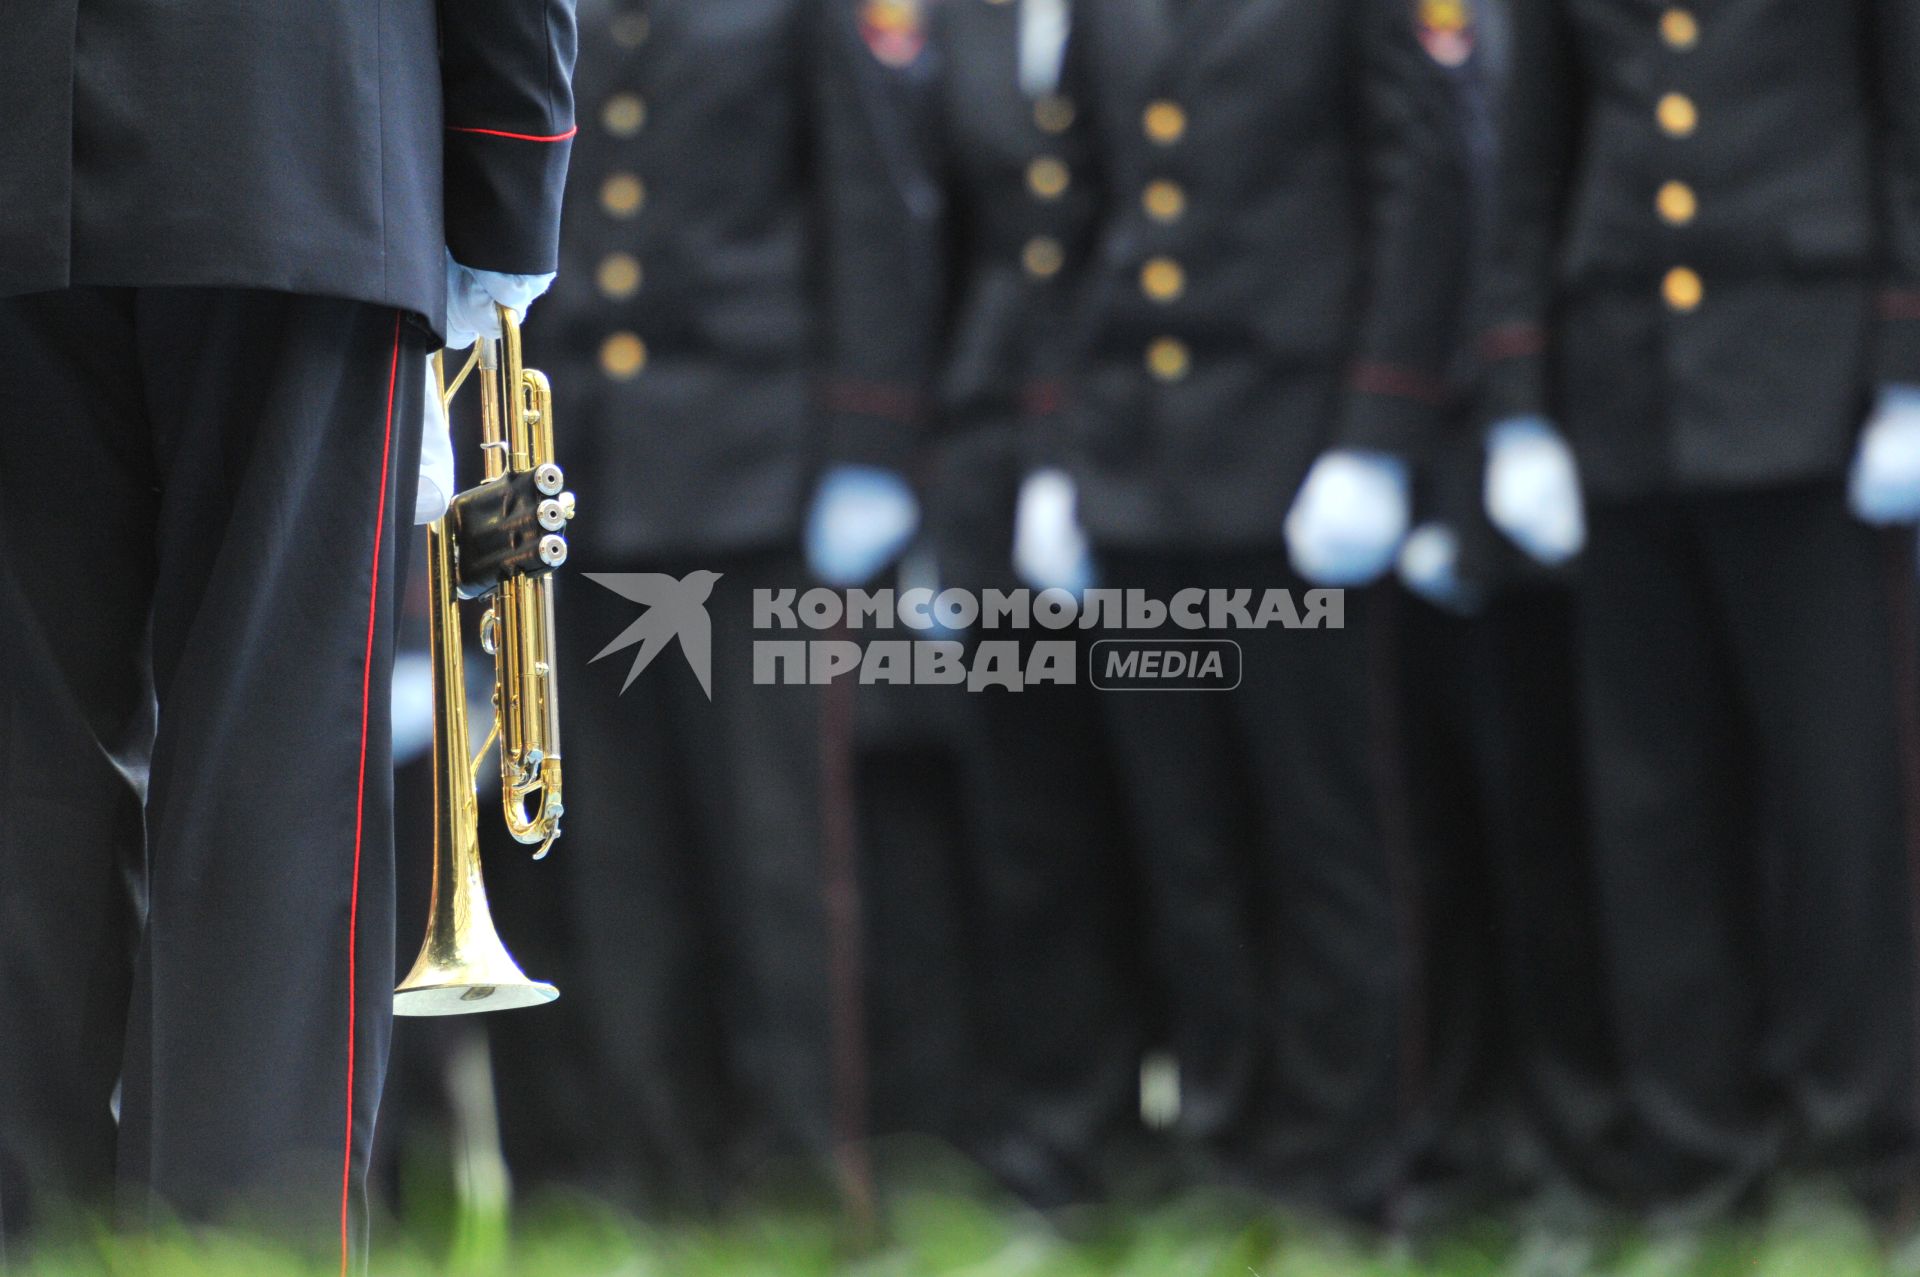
(1445, 29)
(895, 30)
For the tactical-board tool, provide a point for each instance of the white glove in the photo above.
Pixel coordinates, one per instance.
(1532, 490)
(1050, 549)
(1430, 569)
(1350, 517)
(436, 457)
(1884, 486)
(861, 520)
(472, 295)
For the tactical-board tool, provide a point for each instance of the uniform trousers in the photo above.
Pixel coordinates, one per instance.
(1279, 913)
(198, 566)
(695, 905)
(1523, 1091)
(1747, 693)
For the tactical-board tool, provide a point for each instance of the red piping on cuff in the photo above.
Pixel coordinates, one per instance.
(1900, 303)
(1399, 383)
(518, 137)
(1512, 341)
(867, 399)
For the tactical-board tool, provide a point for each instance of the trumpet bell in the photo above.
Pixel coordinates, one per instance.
(467, 971)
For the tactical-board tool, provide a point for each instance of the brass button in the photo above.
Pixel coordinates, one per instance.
(1053, 113)
(630, 30)
(623, 115)
(1165, 122)
(1678, 115)
(1677, 203)
(1165, 200)
(1168, 359)
(622, 356)
(1163, 279)
(1043, 257)
(622, 195)
(618, 276)
(1048, 178)
(1683, 290)
(1679, 28)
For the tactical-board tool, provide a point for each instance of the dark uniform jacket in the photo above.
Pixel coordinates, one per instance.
(962, 209)
(1280, 260)
(1710, 236)
(681, 333)
(304, 146)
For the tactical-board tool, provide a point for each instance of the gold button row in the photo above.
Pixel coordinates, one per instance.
(1043, 257)
(622, 356)
(1165, 201)
(1169, 359)
(1677, 204)
(1680, 29)
(1165, 122)
(1683, 290)
(624, 114)
(1054, 114)
(1048, 178)
(1677, 114)
(618, 276)
(1163, 280)
(622, 195)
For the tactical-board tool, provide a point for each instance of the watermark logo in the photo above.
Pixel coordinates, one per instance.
(1132, 640)
(676, 609)
(1149, 665)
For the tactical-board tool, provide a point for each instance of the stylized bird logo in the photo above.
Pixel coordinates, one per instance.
(676, 609)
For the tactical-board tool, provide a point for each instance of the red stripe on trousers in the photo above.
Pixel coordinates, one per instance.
(360, 806)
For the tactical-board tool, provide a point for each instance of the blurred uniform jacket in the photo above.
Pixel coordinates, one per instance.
(1709, 247)
(150, 143)
(962, 208)
(681, 331)
(1281, 257)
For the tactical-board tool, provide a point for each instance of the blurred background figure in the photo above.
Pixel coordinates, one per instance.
(685, 914)
(1273, 276)
(1708, 274)
(961, 212)
(1523, 1096)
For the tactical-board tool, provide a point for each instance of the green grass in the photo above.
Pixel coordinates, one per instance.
(948, 1235)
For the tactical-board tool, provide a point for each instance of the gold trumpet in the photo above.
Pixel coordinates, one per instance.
(500, 541)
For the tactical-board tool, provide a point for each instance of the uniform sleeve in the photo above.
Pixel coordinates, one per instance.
(1533, 175)
(1898, 43)
(883, 221)
(1419, 234)
(507, 80)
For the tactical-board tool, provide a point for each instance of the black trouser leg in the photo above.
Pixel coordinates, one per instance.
(1275, 898)
(76, 581)
(1188, 793)
(1334, 899)
(262, 427)
(692, 858)
(1670, 785)
(1818, 610)
(1548, 953)
(1062, 1022)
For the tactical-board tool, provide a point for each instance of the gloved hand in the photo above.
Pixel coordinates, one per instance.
(1884, 486)
(862, 518)
(1050, 550)
(1532, 490)
(436, 457)
(1430, 569)
(1350, 517)
(472, 295)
